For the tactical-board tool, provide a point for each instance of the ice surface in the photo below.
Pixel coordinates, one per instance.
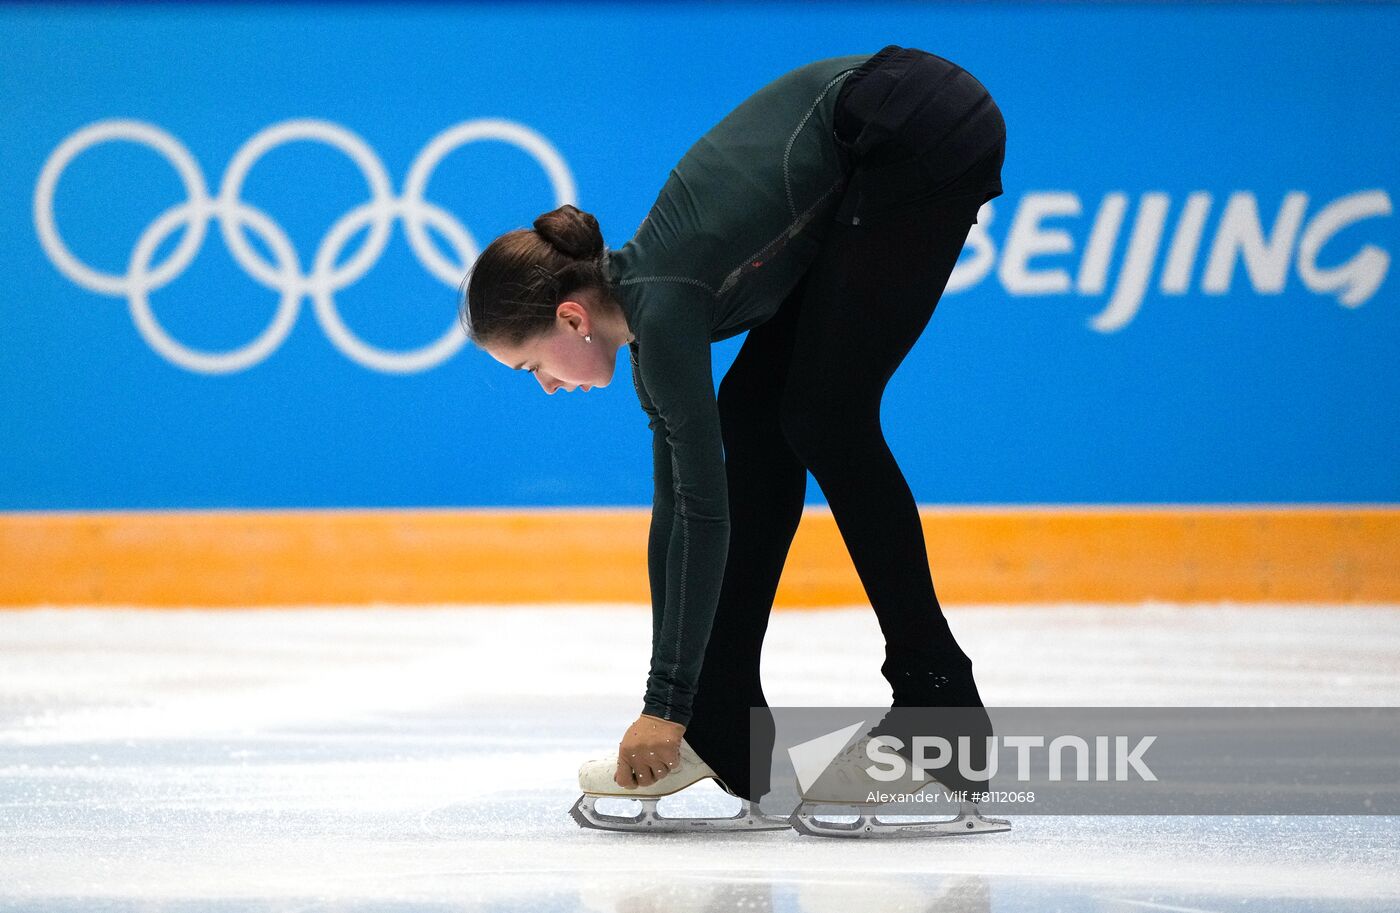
(425, 759)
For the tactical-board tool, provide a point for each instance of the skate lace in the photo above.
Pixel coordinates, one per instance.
(856, 750)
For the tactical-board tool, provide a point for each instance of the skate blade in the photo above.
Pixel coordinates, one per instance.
(648, 820)
(867, 824)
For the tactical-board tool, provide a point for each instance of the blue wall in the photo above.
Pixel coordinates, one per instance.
(1258, 364)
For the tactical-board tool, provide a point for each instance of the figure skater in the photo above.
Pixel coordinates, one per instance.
(823, 215)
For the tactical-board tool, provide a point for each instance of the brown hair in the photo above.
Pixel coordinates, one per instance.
(512, 291)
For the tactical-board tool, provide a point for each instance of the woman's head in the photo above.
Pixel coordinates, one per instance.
(539, 300)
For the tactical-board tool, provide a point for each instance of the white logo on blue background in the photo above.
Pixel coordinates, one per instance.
(286, 274)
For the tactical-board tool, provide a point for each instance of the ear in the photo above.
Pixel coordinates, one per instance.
(573, 311)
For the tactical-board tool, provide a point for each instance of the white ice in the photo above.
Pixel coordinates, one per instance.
(424, 759)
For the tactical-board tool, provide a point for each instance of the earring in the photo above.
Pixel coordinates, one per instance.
(588, 338)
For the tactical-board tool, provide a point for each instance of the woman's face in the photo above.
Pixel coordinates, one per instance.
(561, 358)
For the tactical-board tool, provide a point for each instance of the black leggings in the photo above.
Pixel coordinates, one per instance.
(804, 394)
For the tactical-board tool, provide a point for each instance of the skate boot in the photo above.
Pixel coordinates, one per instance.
(846, 785)
(596, 780)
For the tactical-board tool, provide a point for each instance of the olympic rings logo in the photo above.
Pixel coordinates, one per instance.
(285, 275)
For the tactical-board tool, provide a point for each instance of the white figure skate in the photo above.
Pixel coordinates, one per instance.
(596, 780)
(845, 783)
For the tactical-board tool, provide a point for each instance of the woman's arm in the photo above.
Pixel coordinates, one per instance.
(689, 539)
(662, 504)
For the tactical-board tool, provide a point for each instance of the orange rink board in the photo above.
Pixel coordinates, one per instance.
(1275, 553)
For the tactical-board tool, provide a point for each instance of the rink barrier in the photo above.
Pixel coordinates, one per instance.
(1104, 554)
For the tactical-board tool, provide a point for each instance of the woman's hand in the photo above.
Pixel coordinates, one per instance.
(650, 750)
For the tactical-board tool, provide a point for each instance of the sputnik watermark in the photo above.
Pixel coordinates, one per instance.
(1084, 760)
(888, 765)
(952, 796)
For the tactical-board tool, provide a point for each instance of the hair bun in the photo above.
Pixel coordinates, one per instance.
(573, 232)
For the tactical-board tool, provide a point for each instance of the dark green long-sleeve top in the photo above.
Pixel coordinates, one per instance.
(738, 221)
